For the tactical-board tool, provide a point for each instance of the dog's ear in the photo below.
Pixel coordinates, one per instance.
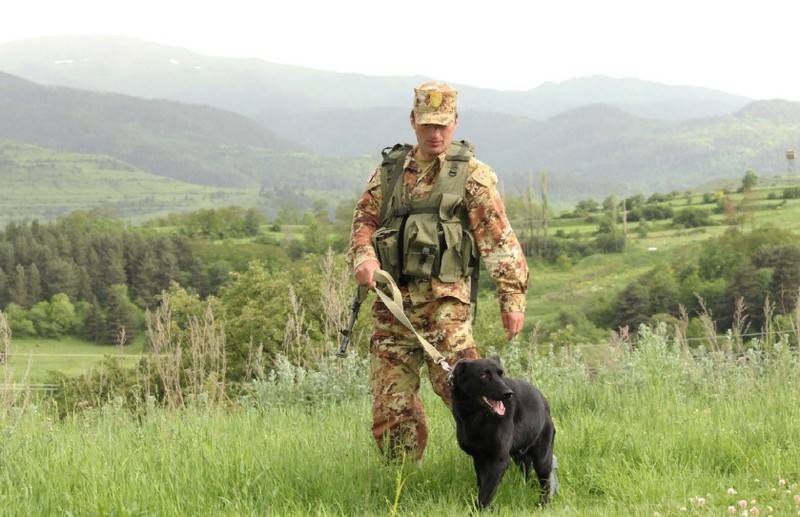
(457, 370)
(496, 358)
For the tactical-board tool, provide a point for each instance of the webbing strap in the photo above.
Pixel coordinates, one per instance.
(395, 306)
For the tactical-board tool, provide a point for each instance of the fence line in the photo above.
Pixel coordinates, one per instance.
(29, 387)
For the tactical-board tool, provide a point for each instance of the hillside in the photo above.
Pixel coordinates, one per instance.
(43, 184)
(594, 150)
(192, 143)
(253, 87)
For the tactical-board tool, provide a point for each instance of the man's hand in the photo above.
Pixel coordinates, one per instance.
(364, 273)
(512, 322)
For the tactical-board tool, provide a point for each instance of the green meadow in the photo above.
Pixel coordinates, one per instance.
(653, 429)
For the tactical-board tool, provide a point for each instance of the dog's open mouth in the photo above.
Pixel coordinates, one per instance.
(496, 405)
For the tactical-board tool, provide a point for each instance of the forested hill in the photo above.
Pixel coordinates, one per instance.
(589, 151)
(193, 143)
(253, 86)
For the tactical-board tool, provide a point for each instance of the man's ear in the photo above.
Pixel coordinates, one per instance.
(412, 120)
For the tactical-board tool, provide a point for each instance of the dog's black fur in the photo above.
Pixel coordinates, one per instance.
(498, 419)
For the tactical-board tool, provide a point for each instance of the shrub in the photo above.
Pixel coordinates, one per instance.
(692, 218)
(791, 193)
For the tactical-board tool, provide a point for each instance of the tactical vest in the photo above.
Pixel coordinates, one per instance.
(429, 237)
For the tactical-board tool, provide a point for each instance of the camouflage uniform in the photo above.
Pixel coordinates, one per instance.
(439, 311)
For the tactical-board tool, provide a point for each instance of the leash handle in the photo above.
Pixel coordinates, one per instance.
(395, 306)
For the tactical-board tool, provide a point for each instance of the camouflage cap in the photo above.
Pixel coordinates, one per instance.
(435, 103)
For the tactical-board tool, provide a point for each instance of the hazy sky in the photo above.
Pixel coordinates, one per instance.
(748, 48)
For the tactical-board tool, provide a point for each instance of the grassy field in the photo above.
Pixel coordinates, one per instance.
(37, 357)
(44, 183)
(650, 431)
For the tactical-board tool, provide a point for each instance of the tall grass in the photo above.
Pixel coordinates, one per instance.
(652, 428)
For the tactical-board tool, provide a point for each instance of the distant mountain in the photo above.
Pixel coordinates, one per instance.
(256, 88)
(192, 143)
(592, 150)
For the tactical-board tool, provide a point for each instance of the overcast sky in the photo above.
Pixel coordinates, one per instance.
(747, 48)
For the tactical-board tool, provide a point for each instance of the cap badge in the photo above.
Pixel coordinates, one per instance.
(435, 99)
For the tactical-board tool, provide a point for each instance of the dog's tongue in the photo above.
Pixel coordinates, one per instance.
(496, 405)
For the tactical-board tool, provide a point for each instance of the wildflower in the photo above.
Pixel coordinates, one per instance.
(700, 501)
(797, 499)
(731, 510)
(754, 511)
(743, 504)
(683, 508)
(731, 491)
(770, 509)
(782, 482)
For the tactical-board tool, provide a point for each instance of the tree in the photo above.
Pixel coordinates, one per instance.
(3, 288)
(61, 276)
(19, 320)
(94, 326)
(19, 291)
(121, 315)
(34, 284)
(749, 181)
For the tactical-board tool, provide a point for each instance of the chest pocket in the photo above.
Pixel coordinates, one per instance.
(421, 246)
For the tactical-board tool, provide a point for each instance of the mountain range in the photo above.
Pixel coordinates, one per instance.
(249, 123)
(252, 86)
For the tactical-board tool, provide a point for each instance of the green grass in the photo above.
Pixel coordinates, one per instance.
(45, 183)
(69, 355)
(645, 432)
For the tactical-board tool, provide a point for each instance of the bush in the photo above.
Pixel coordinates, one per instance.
(791, 193)
(692, 218)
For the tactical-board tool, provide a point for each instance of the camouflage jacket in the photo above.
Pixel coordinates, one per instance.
(499, 247)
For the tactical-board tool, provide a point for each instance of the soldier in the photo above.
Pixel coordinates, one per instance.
(427, 215)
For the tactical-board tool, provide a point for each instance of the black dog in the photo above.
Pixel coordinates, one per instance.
(498, 419)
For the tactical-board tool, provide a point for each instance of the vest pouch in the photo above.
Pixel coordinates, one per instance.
(451, 268)
(386, 242)
(421, 246)
(469, 253)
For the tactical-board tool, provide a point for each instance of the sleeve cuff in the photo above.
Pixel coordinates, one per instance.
(363, 254)
(512, 302)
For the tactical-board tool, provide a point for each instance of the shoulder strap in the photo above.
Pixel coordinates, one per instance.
(391, 169)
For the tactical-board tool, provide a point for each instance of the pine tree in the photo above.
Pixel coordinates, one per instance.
(34, 284)
(95, 324)
(121, 314)
(19, 291)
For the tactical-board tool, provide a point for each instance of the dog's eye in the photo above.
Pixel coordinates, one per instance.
(500, 373)
(485, 376)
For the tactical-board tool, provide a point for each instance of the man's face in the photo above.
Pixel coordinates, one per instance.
(433, 139)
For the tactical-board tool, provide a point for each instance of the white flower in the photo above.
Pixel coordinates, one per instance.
(731, 491)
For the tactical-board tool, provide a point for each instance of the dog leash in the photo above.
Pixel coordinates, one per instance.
(395, 306)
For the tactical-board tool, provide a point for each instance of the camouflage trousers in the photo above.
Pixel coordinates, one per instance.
(398, 418)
